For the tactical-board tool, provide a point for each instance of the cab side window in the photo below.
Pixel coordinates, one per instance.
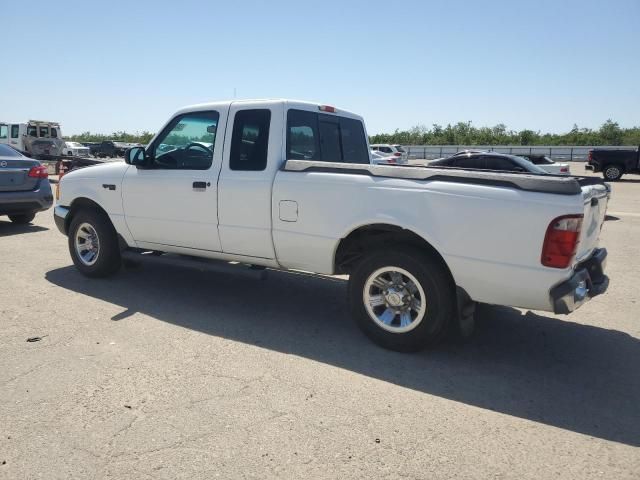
(187, 142)
(4, 131)
(15, 131)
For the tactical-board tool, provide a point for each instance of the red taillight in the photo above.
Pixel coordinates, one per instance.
(391, 160)
(397, 154)
(590, 155)
(39, 172)
(327, 108)
(561, 241)
(564, 170)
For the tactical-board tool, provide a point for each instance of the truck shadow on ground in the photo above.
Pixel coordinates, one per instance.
(572, 376)
(7, 228)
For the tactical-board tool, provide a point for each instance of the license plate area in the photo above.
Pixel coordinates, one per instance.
(12, 179)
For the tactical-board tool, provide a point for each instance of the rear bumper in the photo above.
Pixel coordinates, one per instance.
(587, 281)
(27, 202)
(59, 216)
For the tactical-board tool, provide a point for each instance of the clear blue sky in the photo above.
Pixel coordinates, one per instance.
(116, 65)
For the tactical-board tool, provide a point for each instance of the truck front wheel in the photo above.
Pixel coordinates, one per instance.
(612, 173)
(402, 300)
(93, 244)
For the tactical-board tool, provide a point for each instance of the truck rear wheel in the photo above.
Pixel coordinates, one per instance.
(402, 300)
(612, 173)
(93, 244)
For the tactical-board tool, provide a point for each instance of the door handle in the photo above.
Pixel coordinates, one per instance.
(201, 184)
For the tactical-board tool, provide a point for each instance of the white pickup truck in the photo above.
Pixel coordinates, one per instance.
(287, 185)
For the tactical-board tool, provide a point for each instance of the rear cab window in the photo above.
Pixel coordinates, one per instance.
(324, 137)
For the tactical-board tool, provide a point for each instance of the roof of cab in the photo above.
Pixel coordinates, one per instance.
(298, 104)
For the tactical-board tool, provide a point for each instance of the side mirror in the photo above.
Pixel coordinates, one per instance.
(136, 156)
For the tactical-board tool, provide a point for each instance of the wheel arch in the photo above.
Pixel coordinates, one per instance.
(375, 235)
(82, 203)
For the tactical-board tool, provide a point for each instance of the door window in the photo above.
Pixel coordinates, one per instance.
(250, 140)
(504, 164)
(187, 142)
(15, 131)
(469, 162)
(4, 131)
(32, 131)
(54, 133)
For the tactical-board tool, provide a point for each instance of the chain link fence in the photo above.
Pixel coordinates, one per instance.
(567, 154)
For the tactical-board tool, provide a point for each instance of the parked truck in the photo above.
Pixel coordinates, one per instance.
(108, 149)
(288, 185)
(614, 162)
(38, 139)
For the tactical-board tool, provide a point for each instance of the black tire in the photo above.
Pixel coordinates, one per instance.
(435, 281)
(612, 173)
(22, 218)
(108, 259)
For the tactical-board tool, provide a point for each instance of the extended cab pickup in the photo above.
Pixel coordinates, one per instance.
(614, 162)
(288, 185)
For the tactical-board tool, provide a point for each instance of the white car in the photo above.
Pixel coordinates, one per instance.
(75, 149)
(379, 158)
(547, 164)
(288, 185)
(395, 150)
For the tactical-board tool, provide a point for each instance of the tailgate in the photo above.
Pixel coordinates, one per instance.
(16, 180)
(14, 175)
(595, 208)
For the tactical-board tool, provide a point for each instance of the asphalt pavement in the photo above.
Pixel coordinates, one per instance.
(163, 372)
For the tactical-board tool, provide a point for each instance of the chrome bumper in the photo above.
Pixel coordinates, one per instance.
(59, 216)
(587, 281)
